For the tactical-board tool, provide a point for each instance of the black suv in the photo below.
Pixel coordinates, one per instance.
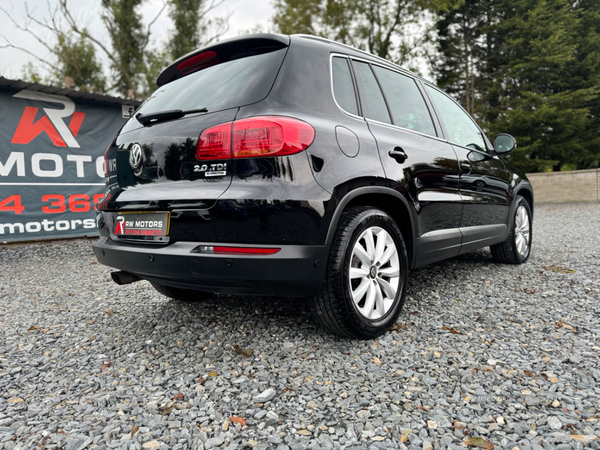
(297, 166)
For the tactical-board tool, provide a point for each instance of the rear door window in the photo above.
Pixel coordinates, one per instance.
(371, 98)
(405, 101)
(343, 88)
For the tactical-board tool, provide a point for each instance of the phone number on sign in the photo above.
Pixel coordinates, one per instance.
(56, 203)
(142, 233)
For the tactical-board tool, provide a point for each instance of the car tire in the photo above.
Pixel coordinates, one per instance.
(183, 295)
(517, 248)
(368, 270)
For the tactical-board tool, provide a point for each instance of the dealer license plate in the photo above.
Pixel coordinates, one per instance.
(147, 226)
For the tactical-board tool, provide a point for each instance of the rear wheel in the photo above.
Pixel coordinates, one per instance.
(184, 295)
(516, 249)
(366, 276)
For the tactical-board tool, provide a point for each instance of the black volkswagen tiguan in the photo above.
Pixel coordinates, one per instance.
(297, 166)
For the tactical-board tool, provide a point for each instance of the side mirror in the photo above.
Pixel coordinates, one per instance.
(504, 143)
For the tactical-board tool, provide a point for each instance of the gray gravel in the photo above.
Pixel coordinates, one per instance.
(505, 353)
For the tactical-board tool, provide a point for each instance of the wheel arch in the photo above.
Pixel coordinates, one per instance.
(389, 200)
(525, 190)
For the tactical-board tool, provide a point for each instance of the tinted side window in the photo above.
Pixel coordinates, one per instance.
(405, 101)
(371, 98)
(343, 88)
(461, 128)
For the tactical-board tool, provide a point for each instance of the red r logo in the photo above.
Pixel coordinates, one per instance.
(120, 229)
(52, 123)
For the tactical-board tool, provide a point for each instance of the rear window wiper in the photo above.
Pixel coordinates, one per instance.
(151, 118)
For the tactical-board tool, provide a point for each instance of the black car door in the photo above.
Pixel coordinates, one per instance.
(484, 180)
(414, 158)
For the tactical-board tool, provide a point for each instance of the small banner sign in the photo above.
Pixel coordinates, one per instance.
(52, 163)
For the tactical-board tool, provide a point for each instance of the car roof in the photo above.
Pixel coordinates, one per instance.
(171, 72)
(353, 51)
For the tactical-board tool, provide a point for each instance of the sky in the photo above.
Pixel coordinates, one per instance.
(244, 15)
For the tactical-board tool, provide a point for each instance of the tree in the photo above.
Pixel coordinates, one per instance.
(587, 74)
(377, 26)
(134, 63)
(529, 68)
(126, 49)
(77, 59)
(544, 104)
(31, 73)
(128, 40)
(463, 42)
(193, 28)
(71, 55)
(304, 17)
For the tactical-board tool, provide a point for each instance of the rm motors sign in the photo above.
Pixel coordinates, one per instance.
(52, 163)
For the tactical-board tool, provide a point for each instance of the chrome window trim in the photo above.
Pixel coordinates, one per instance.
(409, 75)
(390, 125)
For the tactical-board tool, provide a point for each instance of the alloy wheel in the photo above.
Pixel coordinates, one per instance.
(374, 273)
(522, 231)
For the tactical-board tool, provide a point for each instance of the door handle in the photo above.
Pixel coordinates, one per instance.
(465, 168)
(398, 154)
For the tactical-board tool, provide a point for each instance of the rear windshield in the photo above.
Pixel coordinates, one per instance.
(226, 85)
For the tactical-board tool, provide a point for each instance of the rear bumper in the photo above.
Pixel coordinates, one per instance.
(296, 270)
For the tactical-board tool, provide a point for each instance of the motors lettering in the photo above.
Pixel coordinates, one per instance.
(138, 227)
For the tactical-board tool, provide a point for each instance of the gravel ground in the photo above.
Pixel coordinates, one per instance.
(492, 355)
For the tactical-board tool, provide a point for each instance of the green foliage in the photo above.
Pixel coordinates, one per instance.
(185, 15)
(528, 68)
(134, 64)
(461, 66)
(587, 75)
(156, 61)
(546, 109)
(193, 28)
(301, 16)
(376, 26)
(125, 28)
(31, 74)
(77, 59)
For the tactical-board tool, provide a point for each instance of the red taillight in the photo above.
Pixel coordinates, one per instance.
(209, 249)
(101, 206)
(259, 136)
(270, 136)
(215, 142)
(194, 63)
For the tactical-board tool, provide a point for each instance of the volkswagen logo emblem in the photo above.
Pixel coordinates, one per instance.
(135, 157)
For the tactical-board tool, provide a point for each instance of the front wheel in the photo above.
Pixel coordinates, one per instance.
(516, 249)
(183, 295)
(366, 276)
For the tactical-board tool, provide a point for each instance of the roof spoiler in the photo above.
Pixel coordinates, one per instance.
(213, 54)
